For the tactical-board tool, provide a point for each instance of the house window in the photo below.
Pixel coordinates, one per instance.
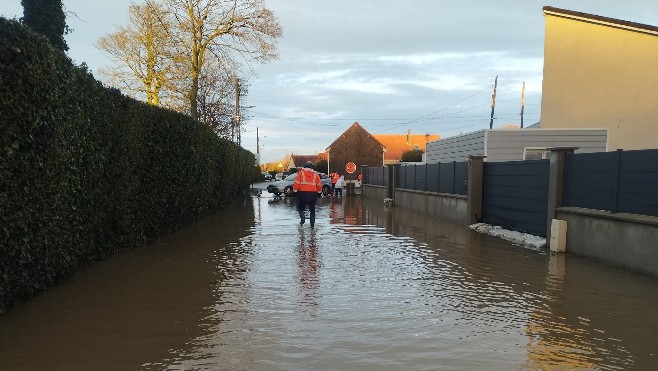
(535, 153)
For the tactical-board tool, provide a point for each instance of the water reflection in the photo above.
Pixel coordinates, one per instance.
(129, 311)
(577, 318)
(369, 287)
(308, 267)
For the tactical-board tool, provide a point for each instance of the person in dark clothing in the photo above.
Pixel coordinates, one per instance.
(308, 185)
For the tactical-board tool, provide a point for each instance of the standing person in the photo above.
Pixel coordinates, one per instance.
(308, 185)
(334, 179)
(340, 183)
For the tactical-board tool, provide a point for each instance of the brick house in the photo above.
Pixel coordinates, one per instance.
(358, 146)
(300, 160)
(354, 145)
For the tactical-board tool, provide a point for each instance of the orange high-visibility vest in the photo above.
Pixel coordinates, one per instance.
(307, 180)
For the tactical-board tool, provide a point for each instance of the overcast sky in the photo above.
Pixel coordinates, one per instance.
(422, 65)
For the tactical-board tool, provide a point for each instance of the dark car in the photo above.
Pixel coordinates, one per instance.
(285, 186)
(267, 176)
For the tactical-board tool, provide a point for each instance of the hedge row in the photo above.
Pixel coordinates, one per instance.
(85, 171)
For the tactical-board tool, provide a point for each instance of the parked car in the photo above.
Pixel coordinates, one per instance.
(285, 186)
(279, 176)
(267, 175)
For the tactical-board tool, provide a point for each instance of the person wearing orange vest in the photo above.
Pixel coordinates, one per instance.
(308, 185)
(334, 178)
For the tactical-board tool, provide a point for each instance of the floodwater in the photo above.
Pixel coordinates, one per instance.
(366, 289)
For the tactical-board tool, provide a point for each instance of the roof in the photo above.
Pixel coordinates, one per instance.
(397, 144)
(600, 20)
(355, 127)
(300, 160)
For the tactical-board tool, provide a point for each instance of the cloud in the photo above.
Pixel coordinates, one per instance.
(425, 66)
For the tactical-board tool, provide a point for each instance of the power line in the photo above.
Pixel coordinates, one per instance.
(435, 112)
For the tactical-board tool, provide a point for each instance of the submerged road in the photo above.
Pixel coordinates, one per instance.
(366, 289)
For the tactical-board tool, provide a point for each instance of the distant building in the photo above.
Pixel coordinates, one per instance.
(514, 144)
(600, 73)
(358, 146)
(397, 144)
(300, 160)
(354, 145)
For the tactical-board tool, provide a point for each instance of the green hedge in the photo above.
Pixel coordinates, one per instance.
(85, 170)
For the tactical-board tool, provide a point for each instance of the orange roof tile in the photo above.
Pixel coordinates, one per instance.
(397, 144)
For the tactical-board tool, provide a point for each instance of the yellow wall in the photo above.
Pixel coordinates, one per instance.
(598, 76)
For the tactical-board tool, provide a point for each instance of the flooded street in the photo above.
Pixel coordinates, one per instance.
(366, 289)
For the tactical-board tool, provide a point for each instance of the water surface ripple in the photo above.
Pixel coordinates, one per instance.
(367, 289)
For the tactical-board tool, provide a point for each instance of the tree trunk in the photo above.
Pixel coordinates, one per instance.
(194, 92)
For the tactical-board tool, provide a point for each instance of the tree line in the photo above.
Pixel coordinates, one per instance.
(185, 55)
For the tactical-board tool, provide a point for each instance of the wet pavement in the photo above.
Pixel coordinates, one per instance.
(368, 288)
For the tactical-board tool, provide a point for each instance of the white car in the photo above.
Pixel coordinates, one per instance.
(285, 186)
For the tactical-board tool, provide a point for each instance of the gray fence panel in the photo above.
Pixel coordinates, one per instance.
(432, 177)
(590, 180)
(461, 178)
(421, 177)
(638, 182)
(376, 176)
(621, 181)
(409, 177)
(401, 177)
(447, 177)
(515, 195)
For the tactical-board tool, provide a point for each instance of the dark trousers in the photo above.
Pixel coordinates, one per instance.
(339, 192)
(306, 198)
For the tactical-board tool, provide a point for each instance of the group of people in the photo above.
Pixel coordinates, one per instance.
(308, 186)
(337, 184)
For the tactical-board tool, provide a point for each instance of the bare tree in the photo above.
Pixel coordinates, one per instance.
(147, 64)
(216, 98)
(222, 30)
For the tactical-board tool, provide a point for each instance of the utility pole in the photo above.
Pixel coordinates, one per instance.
(522, 103)
(257, 148)
(237, 111)
(493, 103)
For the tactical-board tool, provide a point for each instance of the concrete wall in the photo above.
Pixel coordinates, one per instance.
(447, 206)
(373, 192)
(626, 240)
(601, 74)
